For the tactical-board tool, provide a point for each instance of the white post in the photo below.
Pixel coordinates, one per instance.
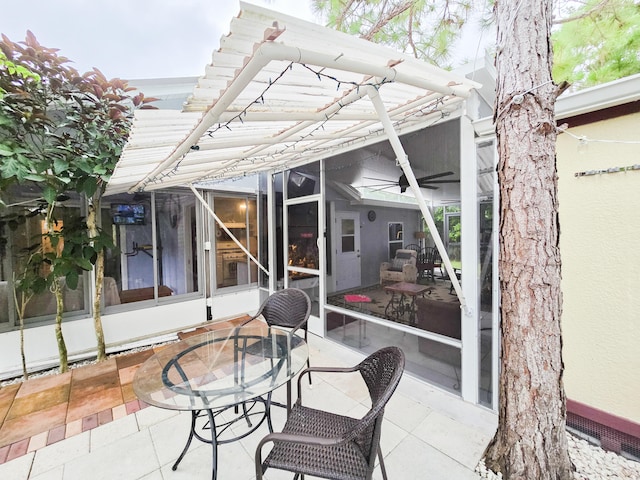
(470, 261)
(403, 161)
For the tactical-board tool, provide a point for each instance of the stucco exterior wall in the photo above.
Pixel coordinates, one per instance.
(600, 247)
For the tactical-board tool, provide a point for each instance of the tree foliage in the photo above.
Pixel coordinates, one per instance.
(597, 43)
(60, 132)
(423, 28)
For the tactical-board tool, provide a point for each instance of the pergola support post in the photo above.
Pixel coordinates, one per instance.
(403, 161)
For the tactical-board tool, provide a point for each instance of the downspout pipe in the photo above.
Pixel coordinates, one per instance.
(403, 161)
(226, 230)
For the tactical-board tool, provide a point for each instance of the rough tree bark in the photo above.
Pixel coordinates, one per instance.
(530, 442)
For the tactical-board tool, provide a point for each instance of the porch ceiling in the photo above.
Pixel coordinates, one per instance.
(281, 92)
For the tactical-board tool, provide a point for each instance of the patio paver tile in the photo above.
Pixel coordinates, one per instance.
(132, 359)
(132, 406)
(126, 374)
(130, 457)
(18, 449)
(105, 416)
(73, 428)
(89, 422)
(7, 395)
(4, 453)
(55, 455)
(38, 441)
(35, 385)
(17, 469)
(84, 402)
(127, 392)
(40, 400)
(56, 434)
(95, 370)
(119, 411)
(32, 424)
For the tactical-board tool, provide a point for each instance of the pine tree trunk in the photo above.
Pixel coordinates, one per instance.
(99, 276)
(530, 442)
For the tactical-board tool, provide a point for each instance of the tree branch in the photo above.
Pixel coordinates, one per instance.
(579, 16)
(412, 44)
(343, 14)
(383, 20)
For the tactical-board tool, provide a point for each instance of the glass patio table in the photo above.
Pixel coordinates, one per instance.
(231, 371)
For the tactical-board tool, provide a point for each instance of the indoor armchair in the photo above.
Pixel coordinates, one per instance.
(401, 269)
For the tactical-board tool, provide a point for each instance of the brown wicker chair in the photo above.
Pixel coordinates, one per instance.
(328, 445)
(289, 308)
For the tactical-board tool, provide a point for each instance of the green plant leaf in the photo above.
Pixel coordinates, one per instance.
(89, 186)
(60, 165)
(72, 279)
(35, 177)
(49, 193)
(84, 264)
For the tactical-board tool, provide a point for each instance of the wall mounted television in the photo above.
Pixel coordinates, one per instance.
(127, 214)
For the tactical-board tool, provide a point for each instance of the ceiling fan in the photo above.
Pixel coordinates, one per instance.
(423, 182)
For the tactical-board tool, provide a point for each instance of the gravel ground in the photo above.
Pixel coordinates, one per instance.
(591, 462)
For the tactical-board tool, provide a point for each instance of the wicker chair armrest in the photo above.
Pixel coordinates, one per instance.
(322, 369)
(303, 439)
(256, 316)
(298, 326)
(288, 437)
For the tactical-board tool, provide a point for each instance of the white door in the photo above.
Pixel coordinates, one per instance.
(347, 249)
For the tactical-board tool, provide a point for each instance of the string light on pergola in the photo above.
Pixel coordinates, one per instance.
(288, 150)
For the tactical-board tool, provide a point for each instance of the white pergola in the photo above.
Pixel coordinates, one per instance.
(282, 92)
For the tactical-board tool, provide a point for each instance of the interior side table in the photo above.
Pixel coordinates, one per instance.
(362, 340)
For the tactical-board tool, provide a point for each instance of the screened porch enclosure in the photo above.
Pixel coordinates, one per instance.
(365, 181)
(367, 136)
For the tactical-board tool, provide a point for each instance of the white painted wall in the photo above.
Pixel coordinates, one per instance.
(122, 328)
(599, 241)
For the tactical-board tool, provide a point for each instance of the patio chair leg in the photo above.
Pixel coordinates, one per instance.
(308, 362)
(381, 460)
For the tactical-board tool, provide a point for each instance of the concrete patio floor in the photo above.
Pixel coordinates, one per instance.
(427, 433)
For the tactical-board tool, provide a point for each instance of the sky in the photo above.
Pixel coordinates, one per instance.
(133, 39)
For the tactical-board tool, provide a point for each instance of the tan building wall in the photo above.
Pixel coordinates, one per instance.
(600, 247)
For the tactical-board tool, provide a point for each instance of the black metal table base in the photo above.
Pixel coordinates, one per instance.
(219, 430)
(398, 305)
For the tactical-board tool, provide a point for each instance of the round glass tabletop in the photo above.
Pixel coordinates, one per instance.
(220, 368)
